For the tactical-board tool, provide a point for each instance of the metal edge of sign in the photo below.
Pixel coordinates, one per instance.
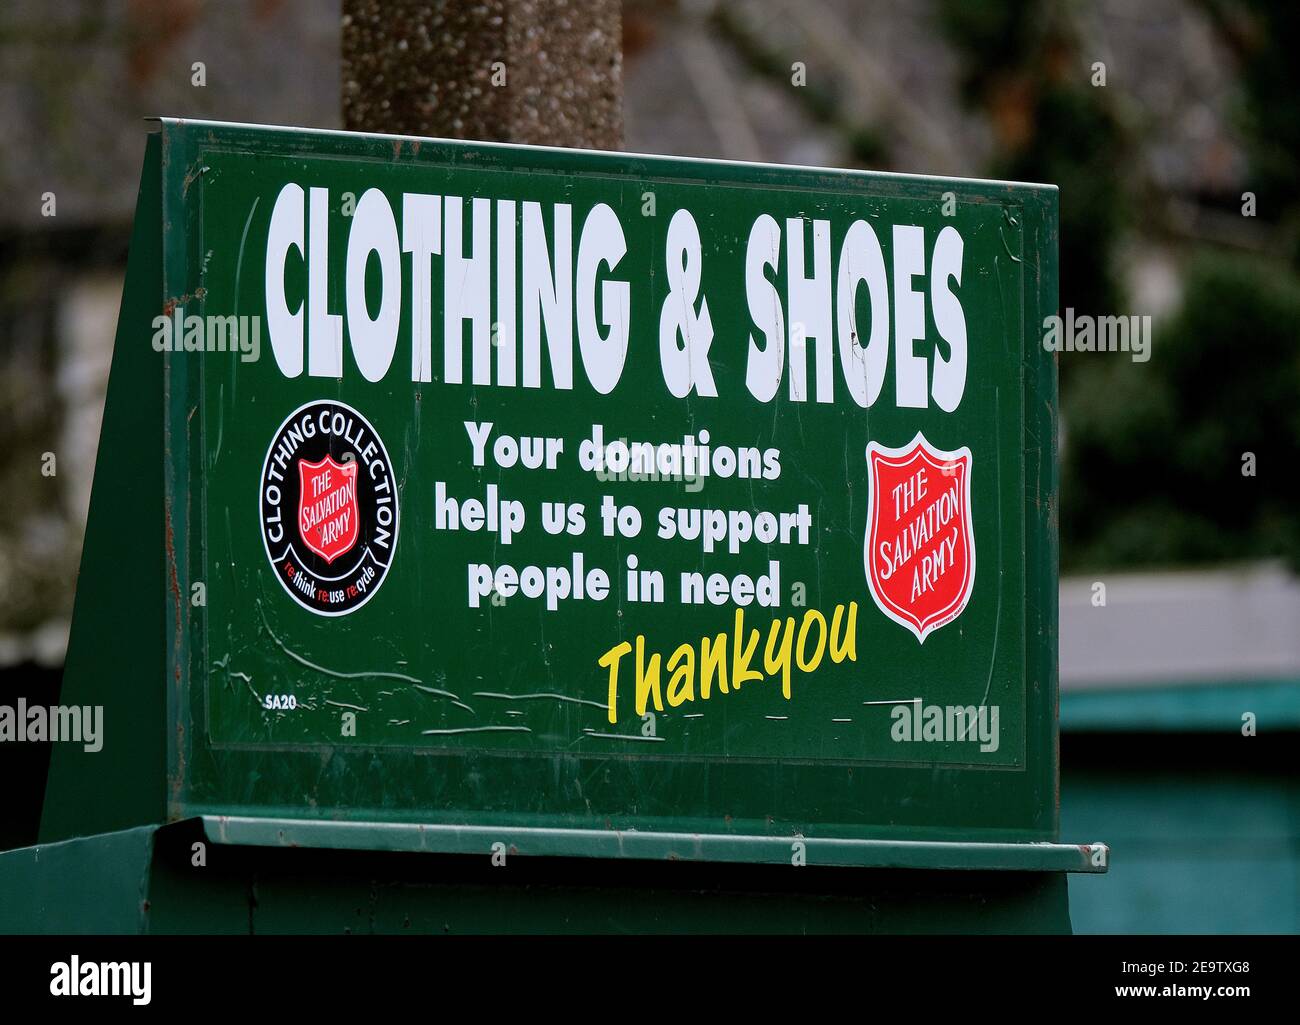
(1042, 488)
(253, 831)
(289, 131)
(181, 146)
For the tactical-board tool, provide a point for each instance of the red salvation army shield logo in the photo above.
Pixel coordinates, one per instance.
(920, 540)
(328, 504)
(328, 516)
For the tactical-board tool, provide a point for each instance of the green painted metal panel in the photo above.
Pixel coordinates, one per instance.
(1206, 826)
(1193, 707)
(499, 714)
(82, 886)
(117, 649)
(144, 880)
(408, 709)
(296, 895)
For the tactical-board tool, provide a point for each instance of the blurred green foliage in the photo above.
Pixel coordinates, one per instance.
(1264, 36)
(1154, 451)
(1023, 70)
(766, 58)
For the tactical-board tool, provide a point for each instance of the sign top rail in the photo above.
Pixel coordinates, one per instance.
(679, 162)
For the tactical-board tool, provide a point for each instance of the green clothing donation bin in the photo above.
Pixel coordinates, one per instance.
(510, 539)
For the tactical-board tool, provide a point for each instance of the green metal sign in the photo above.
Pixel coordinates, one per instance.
(519, 487)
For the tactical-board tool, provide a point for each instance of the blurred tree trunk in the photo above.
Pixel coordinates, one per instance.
(545, 72)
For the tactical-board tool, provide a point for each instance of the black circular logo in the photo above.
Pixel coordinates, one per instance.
(328, 508)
